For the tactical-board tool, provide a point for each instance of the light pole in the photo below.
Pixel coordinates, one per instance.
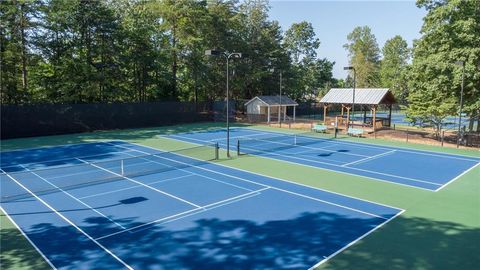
(227, 56)
(354, 84)
(280, 107)
(460, 63)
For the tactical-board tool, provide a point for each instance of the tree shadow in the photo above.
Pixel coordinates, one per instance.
(296, 243)
(205, 243)
(414, 243)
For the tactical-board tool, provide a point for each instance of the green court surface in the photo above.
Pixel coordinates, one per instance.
(438, 230)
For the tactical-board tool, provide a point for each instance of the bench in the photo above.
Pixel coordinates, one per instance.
(319, 128)
(355, 132)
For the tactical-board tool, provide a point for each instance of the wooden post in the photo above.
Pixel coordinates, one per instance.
(347, 123)
(342, 110)
(325, 106)
(390, 116)
(279, 114)
(374, 118)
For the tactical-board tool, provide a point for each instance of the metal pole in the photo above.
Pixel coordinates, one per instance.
(228, 112)
(461, 106)
(279, 114)
(353, 102)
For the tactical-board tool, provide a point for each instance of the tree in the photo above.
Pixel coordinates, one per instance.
(396, 55)
(87, 51)
(364, 55)
(16, 31)
(450, 33)
(301, 43)
(310, 74)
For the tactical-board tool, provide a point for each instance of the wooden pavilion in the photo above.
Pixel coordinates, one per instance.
(366, 99)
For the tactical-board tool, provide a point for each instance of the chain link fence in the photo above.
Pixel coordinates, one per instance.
(49, 119)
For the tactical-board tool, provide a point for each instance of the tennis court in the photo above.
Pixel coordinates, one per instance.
(115, 205)
(414, 168)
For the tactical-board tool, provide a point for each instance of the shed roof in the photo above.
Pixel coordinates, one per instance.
(274, 100)
(367, 96)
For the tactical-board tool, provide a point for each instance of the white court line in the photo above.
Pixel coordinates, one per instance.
(330, 160)
(63, 159)
(71, 223)
(123, 189)
(355, 241)
(369, 145)
(369, 158)
(286, 144)
(149, 223)
(198, 210)
(310, 166)
(51, 146)
(204, 176)
(460, 175)
(282, 180)
(283, 190)
(214, 207)
(75, 198)
(28, 238)
(351, 168)
(140, 183)
(279, 179)
(234, 137)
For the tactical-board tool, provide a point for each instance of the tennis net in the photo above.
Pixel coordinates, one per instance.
(276, 142)
(91, 171)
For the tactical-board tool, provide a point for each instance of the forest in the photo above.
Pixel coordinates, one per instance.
(105, 51)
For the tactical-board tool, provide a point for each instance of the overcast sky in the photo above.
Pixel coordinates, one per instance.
(333, 20)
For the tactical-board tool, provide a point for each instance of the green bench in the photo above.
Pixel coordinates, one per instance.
(355, 132)
(319, 128)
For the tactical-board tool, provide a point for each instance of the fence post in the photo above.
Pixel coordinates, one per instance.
(393, 126)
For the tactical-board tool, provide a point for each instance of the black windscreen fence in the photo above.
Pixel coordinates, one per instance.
(49, 119)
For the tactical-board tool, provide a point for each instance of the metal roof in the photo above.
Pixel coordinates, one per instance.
(367, 96)
(274, 100)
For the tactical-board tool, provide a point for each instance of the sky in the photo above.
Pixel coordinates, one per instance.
(334, 20)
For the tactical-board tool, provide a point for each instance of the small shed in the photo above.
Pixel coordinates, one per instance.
(271, 106)
(365, 99)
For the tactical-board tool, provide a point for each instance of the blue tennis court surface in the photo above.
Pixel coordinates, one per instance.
(420, 169)
(114, 205)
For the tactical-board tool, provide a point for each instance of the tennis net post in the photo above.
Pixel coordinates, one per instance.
(217, 148)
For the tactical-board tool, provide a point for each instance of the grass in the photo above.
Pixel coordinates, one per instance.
(438, 230)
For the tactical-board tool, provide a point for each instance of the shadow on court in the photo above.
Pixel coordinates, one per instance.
(405, 243)
(413, 243)
(208, 244)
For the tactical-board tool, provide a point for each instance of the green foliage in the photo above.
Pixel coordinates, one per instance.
(312, 76)
(364, 55)
(393, 67)
(80, 51)
(450, 33)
